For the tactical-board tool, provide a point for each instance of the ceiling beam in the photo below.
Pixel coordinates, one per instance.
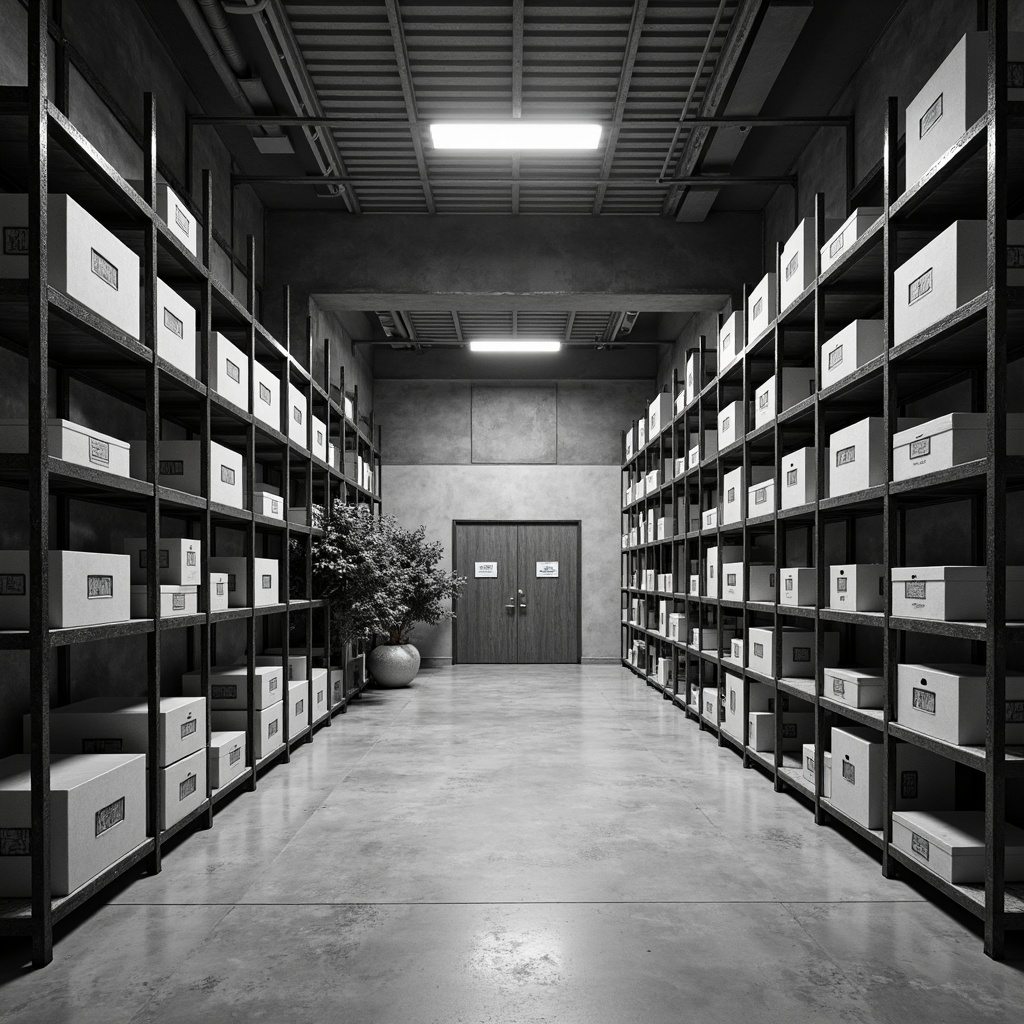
(569, 321)
(518, 16)
(405, 74)
(457, 324)
(694, 181)
(636, 27)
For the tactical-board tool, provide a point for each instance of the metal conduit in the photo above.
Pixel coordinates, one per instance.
(214, 15)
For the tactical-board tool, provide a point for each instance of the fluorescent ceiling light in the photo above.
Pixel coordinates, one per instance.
(515, 135)
(515, 345)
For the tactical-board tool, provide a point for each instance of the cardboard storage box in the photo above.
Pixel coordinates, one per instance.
(630, 442)
(728, 553)
(659, 414)
(948, 441)
(320, 707)
(174, 601)
(175, 329)
(97, 816)
(665, 673)
(948, 702)
(226, 758)
(951, 592)
(736, 649)
(179, 560)
(842, 241)
(797, 586)
(229, 686)
(701, 366)
(953, 99)
(86, 589)
(857, 455)
(266, 503)
(652, 481)
(762, 582)
(230, 373)
(179, 468)
(174, 213)
(707, 638)
(797, 384)
(268, 732)
(762, 306)
(298, 417)
(709, 704)
(184, 786)
(318, 437)
(266, 395)
(119, 725)
(797, 651)
(696, 457)
(709, 519)
(797, 729)
(856, 344)
(923, 779)
(826, 774)
(694, 590)
(266, 576)
(337, 686)
(952, 844)
(71, 442)
(641, 434)
(734, 504)
(676, 626)
(218, 596)
(730, 340)
(731, 424)
(798, 263)
(800, 478)
(857, 588)
(761, 498)
(298, 707)
(859, 688)
(296, 667)
(84, 260)
(737, 708)
(663, 618)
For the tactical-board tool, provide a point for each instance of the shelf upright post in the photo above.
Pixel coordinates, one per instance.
(995, 511)
(39, 486)
(285, 578)
(149, 334)
(776, 616)
(310, 469)
(250, 531)
(892, 530)
(818, 527)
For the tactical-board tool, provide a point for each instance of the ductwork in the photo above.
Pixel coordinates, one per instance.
(214, 15)
(200, 25)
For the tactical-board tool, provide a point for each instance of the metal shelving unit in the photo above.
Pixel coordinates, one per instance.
(41, 152)
(982, 176)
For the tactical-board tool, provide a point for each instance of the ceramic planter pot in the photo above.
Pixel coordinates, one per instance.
(393, 665)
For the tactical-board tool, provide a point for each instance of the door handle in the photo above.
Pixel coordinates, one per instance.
(511, 606)
(522, 601)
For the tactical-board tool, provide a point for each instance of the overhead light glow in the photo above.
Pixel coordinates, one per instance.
(515, 135)
(515, 345)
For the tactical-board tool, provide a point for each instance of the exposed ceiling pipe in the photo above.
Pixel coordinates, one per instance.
(214, 15)
(257, 8)
(201, 27)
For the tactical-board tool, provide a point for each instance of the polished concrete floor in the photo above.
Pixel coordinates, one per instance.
(516, 846)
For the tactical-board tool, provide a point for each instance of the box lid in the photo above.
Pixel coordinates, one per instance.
(858, 732)
(67, 771)
(857, 675)
(955, 832)
(166, 588)
(954, 671)
(953, 421)
(128, 705)
(767, 282)
(951, 573)
(221, 741)
(75, 428)
(862, 213)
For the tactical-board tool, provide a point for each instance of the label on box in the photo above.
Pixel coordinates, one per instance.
(762, 401)
(835, 357)
(849, 772)
(99, 587)
(761, 496)
(223, 691)
(267, 582)
(908, 785)
(789, 730)
(845, 456)
(235, 756)
(173, 324)
(220, 589)
(272, 684)
(809, 764)
(186, 787)
(99, 451)
(801, 654)
(165, 558)
(726, 342)
(104, 269)
(731, 496)
(725, 424)
(841, 585)
(930, 118)
(189, 728)
(12, 584)
(319, 696)
(172, 467)
(233, 371)
(109, 816)
(299, 705)
(920, 287)
(837, 245)
(914, 590)
(177, 602)
(227, 475)
(15, 241)
(789, 583)
(758, 650)
(102, 746)
(272, 728)
(920, 846)
(264, 394)
(1014, 712)
(296, 414)
(793, 265)
(15, 842)
(918, 449)
(181, 219)
(839, 687)
(730, 579)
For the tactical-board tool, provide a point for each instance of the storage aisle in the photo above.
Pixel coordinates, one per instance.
(523, 844)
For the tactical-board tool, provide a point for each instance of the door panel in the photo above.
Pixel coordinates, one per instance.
(485, 629)
(549, 622)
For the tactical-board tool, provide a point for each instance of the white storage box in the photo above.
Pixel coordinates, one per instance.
(298, 417)
(318, 431)
(797, 729)
(761, 498)
(856, 344)
(709, 519)
(706, 638)
(826, 774)
(797, 265)
(857, 455)
(266, 503)
(700, 368)
(710, 448)
(762, 306)
(663, 618)
(709, 704)
(72, 443)
(86, 589)
(948, 441)
(951, 592)
(797, 586)
(797, 384)
(736, 649)
(218, 592)
(762, 582)
(229, 686)
(651, 481)
(659, 414)
(298, 707)
(694, 586)
(641, 434)
(665, 673)
(953, 99)
(728, 553)
(800, 478)
(268, 733)
(630, 443)
(730, 340)
(175, 214)
(230, 371)
(266, 395)
(174, 601)
(184, 786)
(226, 759)
(320, 694)
(734, 505)
(737, 709)
(952, 844)
(97, 816)
(859, 688)
(923, 779)
(295, 669)
(853, 227)
(266, 576)
(175, 329)
(857, 588)
(797, 651)
(732, 424)
(337, 686)
(118, 725)
(179, 468)
(179, 560)
(675, 626)
(948, 702)
(84, 260)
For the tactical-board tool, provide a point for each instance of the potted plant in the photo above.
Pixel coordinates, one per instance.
(380, 579)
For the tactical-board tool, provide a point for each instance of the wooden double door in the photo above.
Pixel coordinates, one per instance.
(522, 601)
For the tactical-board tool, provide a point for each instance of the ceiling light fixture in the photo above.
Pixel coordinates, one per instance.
(518, 345)
(515, 135)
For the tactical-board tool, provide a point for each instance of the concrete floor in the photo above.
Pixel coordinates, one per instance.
(522, 845)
